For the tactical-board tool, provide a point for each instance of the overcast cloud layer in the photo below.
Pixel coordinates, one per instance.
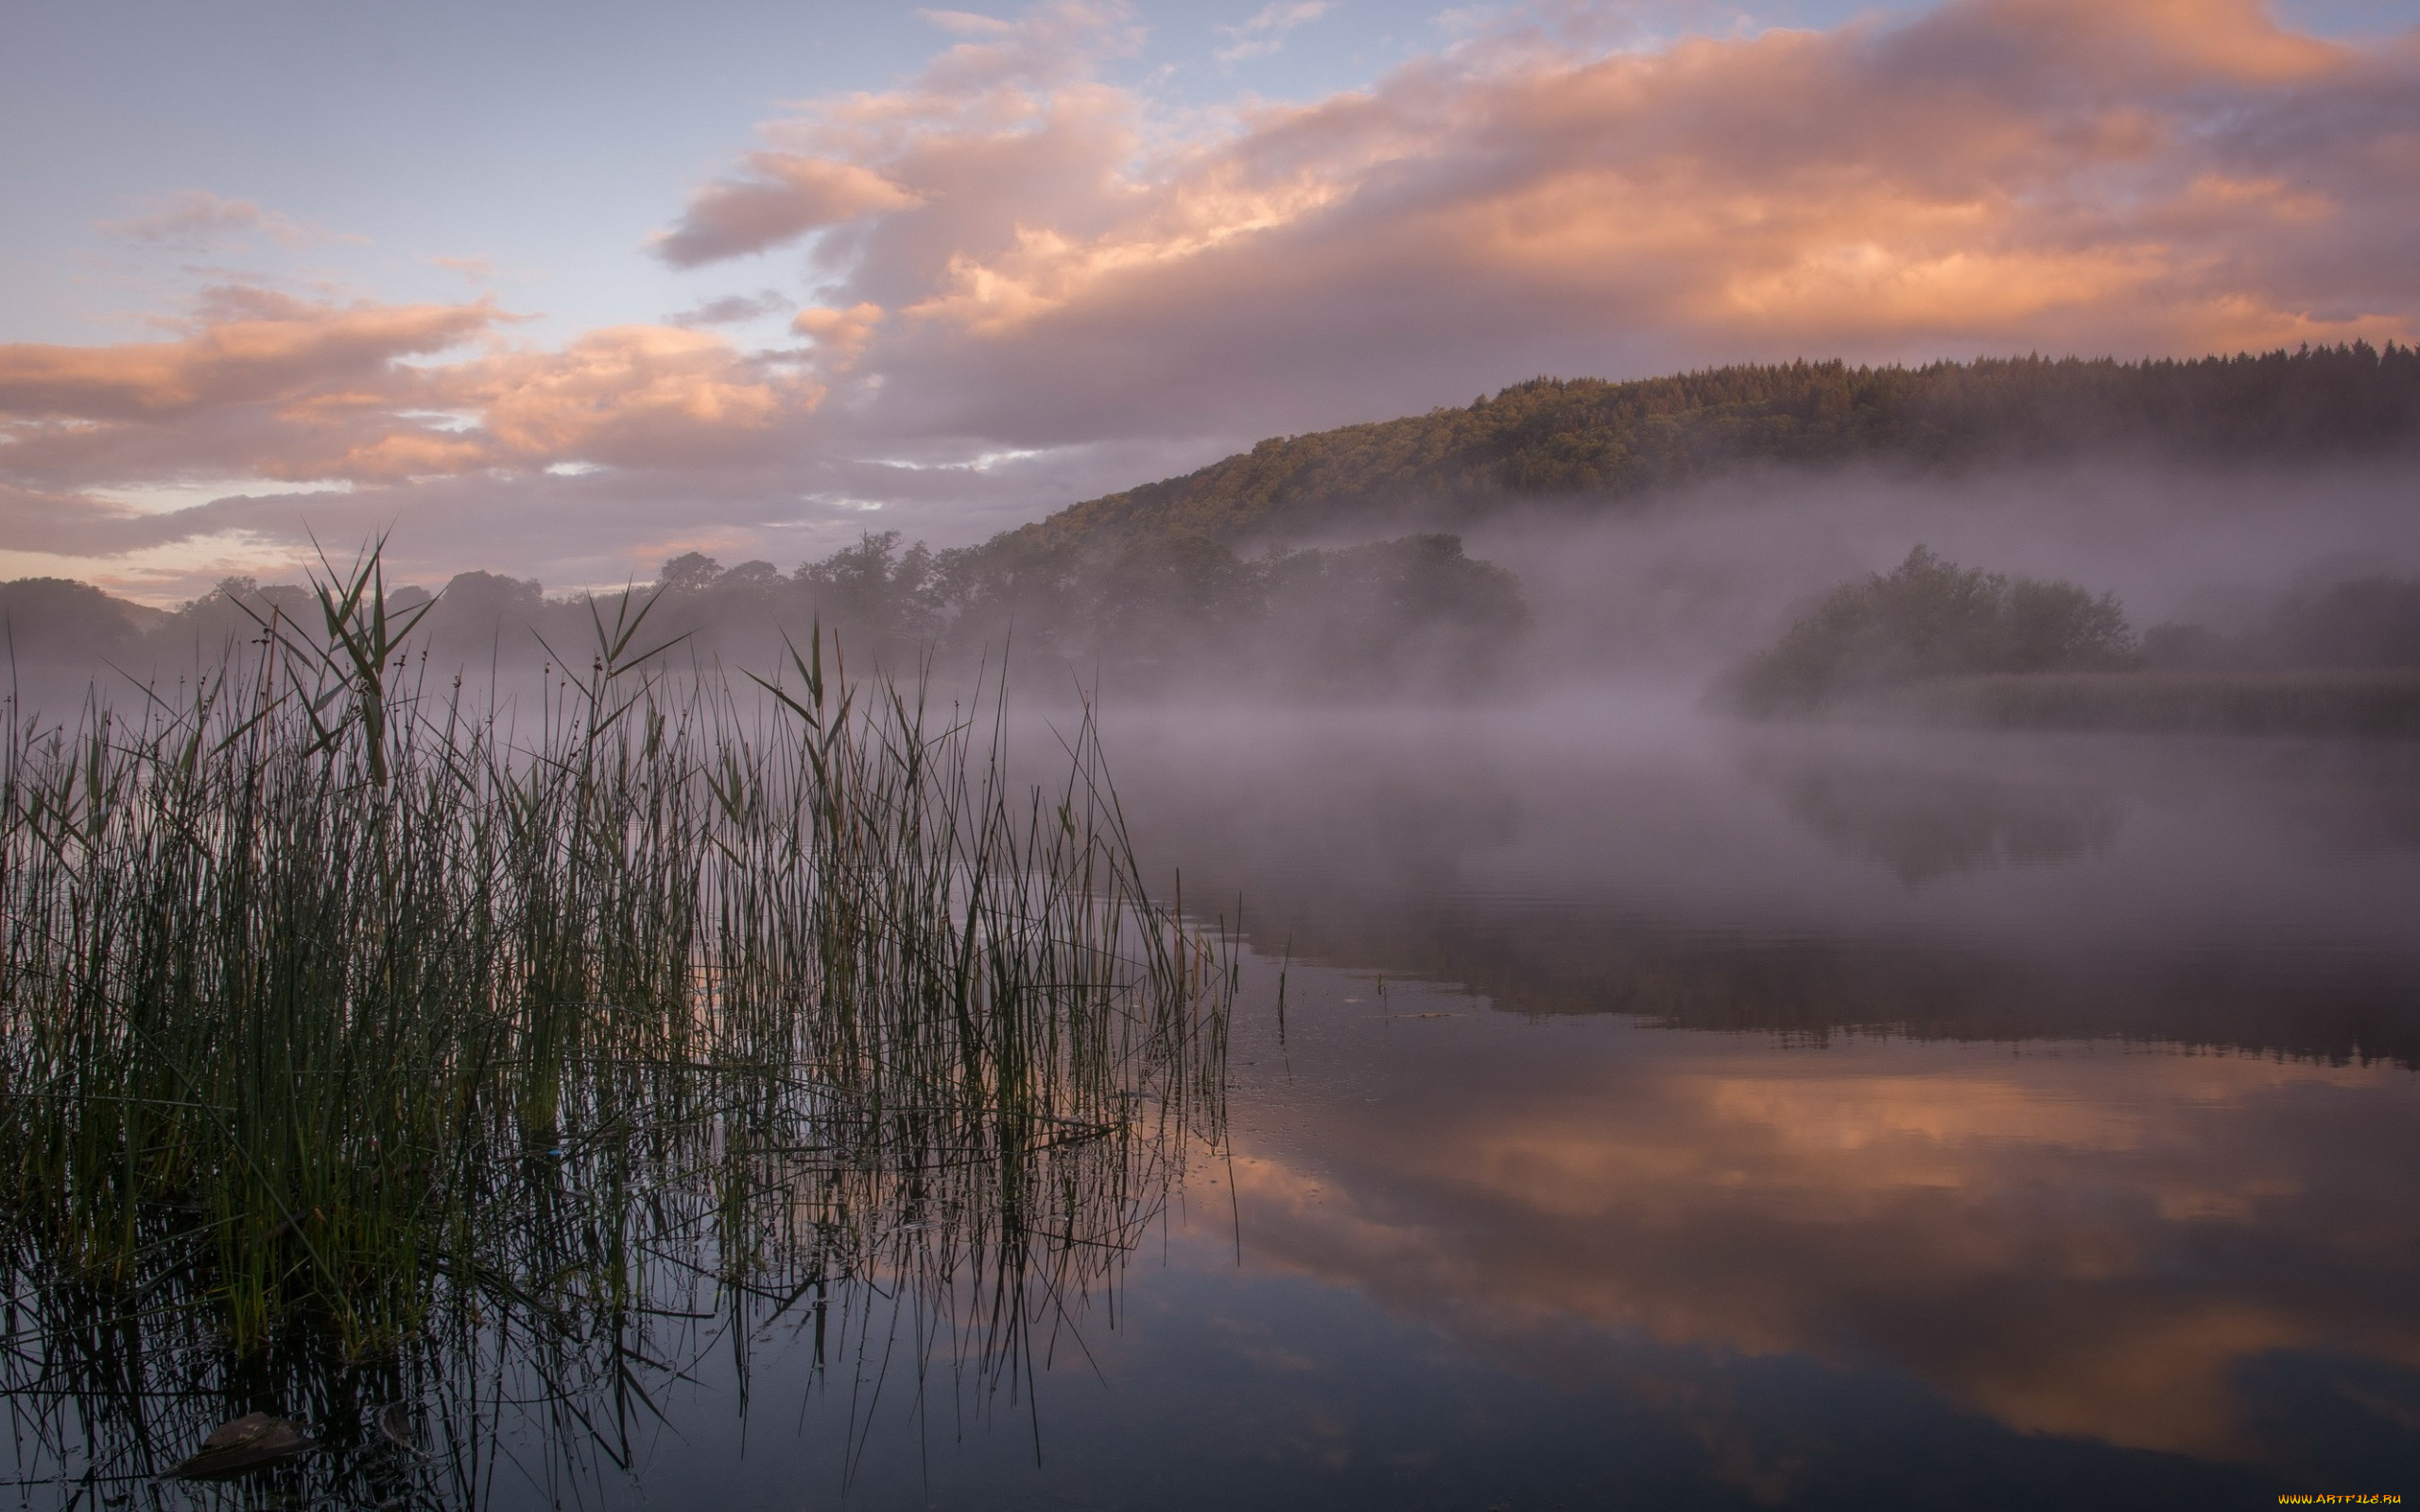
(1009, 282)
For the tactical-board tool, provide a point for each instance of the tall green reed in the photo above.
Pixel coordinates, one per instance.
(330, 1000)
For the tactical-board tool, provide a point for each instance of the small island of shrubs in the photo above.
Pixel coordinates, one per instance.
(1931, 642)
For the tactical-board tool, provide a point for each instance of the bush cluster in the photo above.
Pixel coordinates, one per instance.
(1931, 618)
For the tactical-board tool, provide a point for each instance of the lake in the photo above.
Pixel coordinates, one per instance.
(1631, 1108)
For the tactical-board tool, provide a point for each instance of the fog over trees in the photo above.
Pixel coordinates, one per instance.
(1337, 562)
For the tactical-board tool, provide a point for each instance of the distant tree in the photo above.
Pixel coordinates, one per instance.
(690, 572)
(1931, 618)
(877, 590)
(55, 619)
(755, 579)
(2058, 627)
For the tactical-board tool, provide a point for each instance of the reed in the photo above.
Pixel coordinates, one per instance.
(335, 1009)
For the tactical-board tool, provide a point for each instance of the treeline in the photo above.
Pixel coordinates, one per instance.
(1590, 439)
(1411, 614)
(1162, 607)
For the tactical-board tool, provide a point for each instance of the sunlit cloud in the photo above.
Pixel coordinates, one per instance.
(1010, 252)
(296, 392)
(2032, 173)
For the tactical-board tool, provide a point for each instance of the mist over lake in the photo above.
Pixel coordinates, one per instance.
(1279, 753)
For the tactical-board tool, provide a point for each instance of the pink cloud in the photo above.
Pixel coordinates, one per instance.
(780, 198)
(197, 217)
(840, 335)
(268, 386)
(1012, 255)
(644, 396)
(2159, 176)
(249, 346)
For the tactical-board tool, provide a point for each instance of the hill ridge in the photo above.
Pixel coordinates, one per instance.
(1611, 439)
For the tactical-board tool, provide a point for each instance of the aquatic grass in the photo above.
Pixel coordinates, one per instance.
(333, 1006)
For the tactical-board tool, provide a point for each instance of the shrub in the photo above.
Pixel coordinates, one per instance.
(1931, 618)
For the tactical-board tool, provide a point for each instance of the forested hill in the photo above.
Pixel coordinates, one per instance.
(1593, 440)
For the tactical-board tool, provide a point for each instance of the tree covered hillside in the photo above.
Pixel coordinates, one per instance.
(1593, 438)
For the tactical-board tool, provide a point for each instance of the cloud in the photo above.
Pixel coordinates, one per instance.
(196, 219)
(247, 345)
(2163, 176)
(1011, 253)
(266, 385)
(477, 269)
(779, 197)
(637, 395)
(840, 335)
(868, 156)
(731, 309)
(1265, 32)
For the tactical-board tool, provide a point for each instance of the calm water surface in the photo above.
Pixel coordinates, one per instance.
(1668, 1116)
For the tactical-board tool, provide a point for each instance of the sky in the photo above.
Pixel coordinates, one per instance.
(564, 290)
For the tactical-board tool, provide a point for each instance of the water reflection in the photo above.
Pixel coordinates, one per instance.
(935, 1254)
(1923, 822)
(2102, 1245)
(1663, 1117)
(2064, 1097)
(2245, 894)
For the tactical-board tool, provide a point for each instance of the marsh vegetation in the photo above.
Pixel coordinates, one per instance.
(359, 1044)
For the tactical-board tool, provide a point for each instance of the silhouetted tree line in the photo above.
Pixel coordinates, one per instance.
(1414, 613)
(1157, 582)
(1410, 615)
(1590, 439)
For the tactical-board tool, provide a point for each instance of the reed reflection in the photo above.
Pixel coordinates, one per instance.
(920, 1253)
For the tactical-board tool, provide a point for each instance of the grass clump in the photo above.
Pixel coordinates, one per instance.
(328, 1003)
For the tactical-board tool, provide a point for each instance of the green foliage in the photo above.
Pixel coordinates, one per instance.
(1593, 438)
(1929, 618)
(328, 1003)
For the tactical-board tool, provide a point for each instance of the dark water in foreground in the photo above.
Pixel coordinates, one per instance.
(1668, 1116)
